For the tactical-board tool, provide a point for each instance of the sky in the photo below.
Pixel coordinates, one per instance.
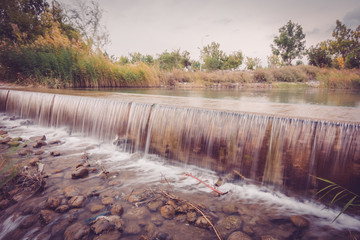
(153, 26)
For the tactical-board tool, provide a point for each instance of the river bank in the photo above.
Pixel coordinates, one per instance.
(86, 197)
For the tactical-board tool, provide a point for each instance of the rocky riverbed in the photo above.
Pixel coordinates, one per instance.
(55, 191)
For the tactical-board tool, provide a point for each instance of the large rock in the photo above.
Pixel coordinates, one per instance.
(77, 231)
(167, 211)
(47, 216)
(71, 191)
(154, 205)
(25, 152)
(238, 236)
(137, 213)
(80, 172)
(202, 222)
(52, 202)
(107, 223)
(117, 209)
(97, 207)
(107, 200)
(229, 224)
(29, 221)
(39, 143)
(191, 217)
(299, 221)
(132, 228)
(77, 201)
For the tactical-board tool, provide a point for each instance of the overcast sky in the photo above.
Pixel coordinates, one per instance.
(153, 26)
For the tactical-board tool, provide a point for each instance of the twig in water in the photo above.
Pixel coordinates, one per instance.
(215, 190)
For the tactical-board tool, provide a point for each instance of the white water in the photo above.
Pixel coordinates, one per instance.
(151, 170)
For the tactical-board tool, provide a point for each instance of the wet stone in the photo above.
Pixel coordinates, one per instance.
(52, 202)
(39, 152)
(13, 143)
(47, 216)
(101, 225)
(62, 208)
(191, 217)
(138, 213)
(268, 237)
(132, 228)
(162, 236)
(77, 231)
(157, 220)
(71, 191)
(55, 154)
(94, 191)
(299, 221)
(80, 172)
(112, 235)
(24, 152)
(29, 221)
(96, 208)
(229, 209)
(39, 143)
(202, 222)
(155, 205)
(117, 209)
(4, 204)
(167, 211)
(107, 200)
(54, 142)
(77, 201)
(238, 236)
(229, 224)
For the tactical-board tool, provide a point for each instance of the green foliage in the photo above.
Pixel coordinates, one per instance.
(319, 55)
(20, 20)
(274, 61)
(212, 56)
(339, 193)
(174, 60)
(252, 63)
(290, 44)
(233, 61)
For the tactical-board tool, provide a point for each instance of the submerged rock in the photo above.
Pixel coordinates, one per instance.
(97, 207)
(77, 231)
(238, 236)
(155, 205)
(52, 202)
(80, 172)
(229, 224)
(47, 216)
(71, 191)
(299, 221)
(202, 222)
(191, 217)
(55, 154)
(117, 209)
(77, 201)
(167, 211)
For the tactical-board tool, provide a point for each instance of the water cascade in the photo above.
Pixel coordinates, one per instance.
(276, 150)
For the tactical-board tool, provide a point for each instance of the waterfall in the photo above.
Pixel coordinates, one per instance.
(276, 150)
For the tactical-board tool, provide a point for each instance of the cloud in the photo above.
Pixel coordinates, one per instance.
(223, 21)
(315, 31)
(352, 18)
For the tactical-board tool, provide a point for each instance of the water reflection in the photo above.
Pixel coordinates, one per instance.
(347, 98)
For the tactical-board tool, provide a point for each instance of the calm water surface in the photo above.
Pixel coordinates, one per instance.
(346, 98)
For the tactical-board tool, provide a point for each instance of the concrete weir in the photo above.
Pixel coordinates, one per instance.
(277, 148)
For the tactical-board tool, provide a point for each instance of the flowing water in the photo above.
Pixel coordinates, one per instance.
(272, 145)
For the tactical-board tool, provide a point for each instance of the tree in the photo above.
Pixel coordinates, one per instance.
(252, 63)
(274, 61)
(175, 59)
(290, 44)
(346, 44)
(233, 61)
(87, 20)
(212, 56)
(21, 19)
(319, 55)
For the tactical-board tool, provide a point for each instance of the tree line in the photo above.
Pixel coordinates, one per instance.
(48, 42)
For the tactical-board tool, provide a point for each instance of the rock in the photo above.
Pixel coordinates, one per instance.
(76, 201)
(219, 182)
(28, 221)
(162, 236)
(71, 191)
(229, 209)
(248, 230)
(155, 205)
(5, 140)
(2, 132)
(33, 161)
(132, 228)
(157, 220)
(85, 156)
(115, 182)
(52, 202)
(238, 236)
(62, 208)
(4, 204)
(106, 223)
(18, 139)
(97, 207)
(268, 237)
(299, 221)
(24, 152)
(180, 209)
(150, 230)
(94, 191)
(137, 197)
(26, 122)
(39, 143)
(112, 235)
(167, 211)
(54, 142)
(80, 172)
(191, 217)
(111, 193)
(47, 216)
(107, 200)
(38, 138)
(54, 154)
(229, 224)
(77, 231)
(117, 209)
(137, 213)
(13, 143)
(39, 152)
(202, 222)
